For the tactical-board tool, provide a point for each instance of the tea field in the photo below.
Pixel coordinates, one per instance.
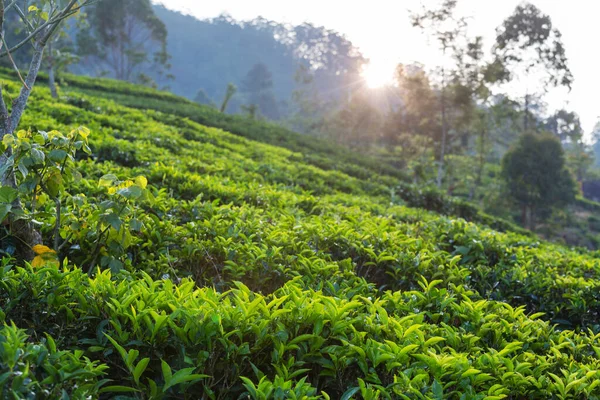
(207, 256)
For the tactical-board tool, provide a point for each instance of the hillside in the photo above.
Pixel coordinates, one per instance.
(268, 265)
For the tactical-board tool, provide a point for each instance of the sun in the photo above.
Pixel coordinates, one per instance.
(377, 75)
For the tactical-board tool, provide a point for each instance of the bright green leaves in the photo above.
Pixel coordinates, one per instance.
(7, 196)
(132, 189)
(28, 368)
(106, 226)
(43, 164)
(44, 161)
(137, 369)
(108, 180)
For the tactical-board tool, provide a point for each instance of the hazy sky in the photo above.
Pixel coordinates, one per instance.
(381, 29)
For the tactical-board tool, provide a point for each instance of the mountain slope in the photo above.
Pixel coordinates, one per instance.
(256, 272)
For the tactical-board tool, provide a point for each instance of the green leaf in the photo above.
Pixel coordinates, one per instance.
(166, 370)
(132, 192)
(183, 375)
(107, 180)
(38, 156)
(135, 225)
(114, 221)
(57, 155)
(8, 194)
(139, 369)
(23, 169)
(117, 389)
(54, 183)
(4, 210)
(349, 393)
(437, 389)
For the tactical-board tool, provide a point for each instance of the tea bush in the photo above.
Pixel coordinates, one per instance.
(197, 263)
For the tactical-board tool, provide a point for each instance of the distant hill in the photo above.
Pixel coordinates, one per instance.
(208, 54)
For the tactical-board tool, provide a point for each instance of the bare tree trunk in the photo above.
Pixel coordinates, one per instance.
(526, 117)
(440, 173)
(481, 163)
(52, 82)
(51, 73)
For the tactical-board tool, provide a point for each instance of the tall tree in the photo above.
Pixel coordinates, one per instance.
(537, 177)
(567, 128)
(229, 93)
(62, 51)
(442, 24)
(124, 36)
(257, 86)
(529, 46)
(41, 21)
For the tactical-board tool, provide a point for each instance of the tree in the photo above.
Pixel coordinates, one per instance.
(257, 87)
(125, 35)
(356, 123)
(41, 21)
(566, 126)
(537, 177)
(442, 24)
(203, 98)
(229, 93)
(528, 45)
(308, 108)
(61, 53)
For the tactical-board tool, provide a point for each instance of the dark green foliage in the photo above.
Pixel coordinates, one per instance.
(537, 177)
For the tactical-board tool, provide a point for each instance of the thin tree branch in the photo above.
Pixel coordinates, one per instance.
(4, 117)
(24, 18)
(50, 23)
(13, 62)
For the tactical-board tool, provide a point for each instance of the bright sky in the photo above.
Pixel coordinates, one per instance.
(381, 29)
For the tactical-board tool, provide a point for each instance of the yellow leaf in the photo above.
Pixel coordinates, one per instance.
(84, 132)
(32, 8)
(41, 249)
(43, 260)
(22, 134)
(8, 139)
(37, 262)
(141, 181)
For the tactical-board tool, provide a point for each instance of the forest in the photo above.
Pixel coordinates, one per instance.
(225, 209)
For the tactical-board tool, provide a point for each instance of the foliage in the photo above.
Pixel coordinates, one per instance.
(537, 177)
(125, 35)
(251, 270)
(30, 370)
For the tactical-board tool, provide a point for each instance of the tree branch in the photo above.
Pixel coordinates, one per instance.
(4, 117)
(21, 101)
(25, 20)
(12, 61)
(51, 23)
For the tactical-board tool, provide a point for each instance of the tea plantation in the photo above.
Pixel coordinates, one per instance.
(206, 256)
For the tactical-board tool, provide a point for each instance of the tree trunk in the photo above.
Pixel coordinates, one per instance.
(526, 117)
(524, 216)
(481, 164)
(51, 73)
(440, 173)
(52, 82)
